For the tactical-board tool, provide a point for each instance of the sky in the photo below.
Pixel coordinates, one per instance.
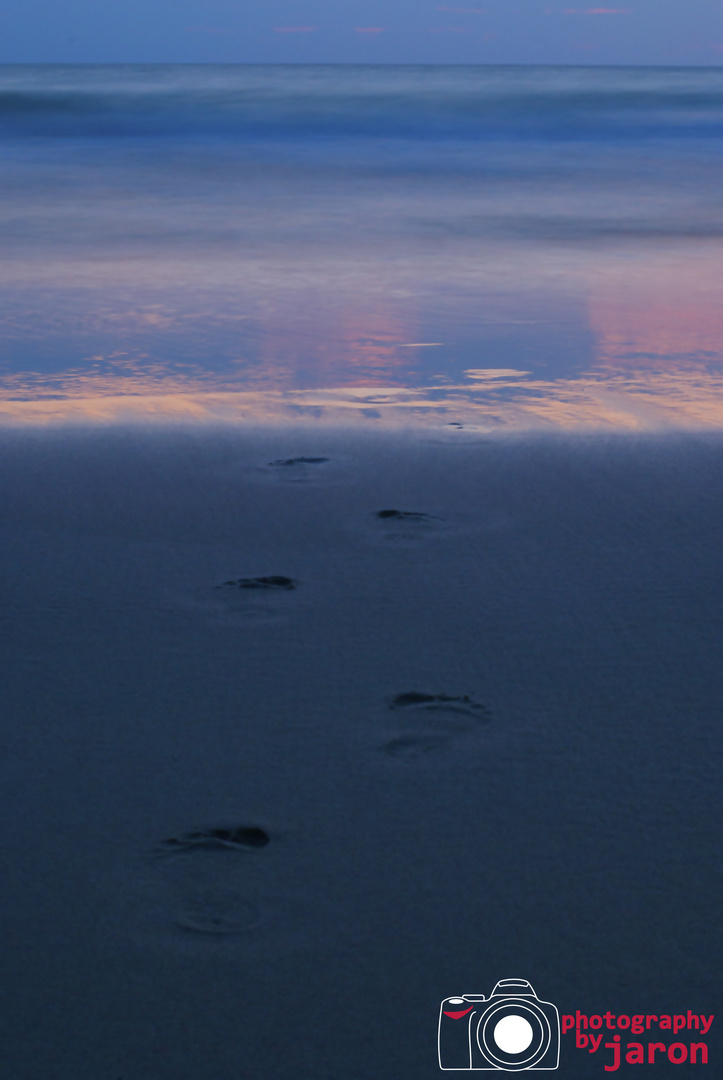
(686, 32)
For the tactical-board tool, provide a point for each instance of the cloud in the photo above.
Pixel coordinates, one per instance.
(294, 29)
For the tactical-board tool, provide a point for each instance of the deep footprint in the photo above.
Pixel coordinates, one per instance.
(242, 838)
(440, 703)
(274, 582)
(300, 461)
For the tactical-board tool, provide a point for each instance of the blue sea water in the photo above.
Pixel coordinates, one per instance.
(518, 244)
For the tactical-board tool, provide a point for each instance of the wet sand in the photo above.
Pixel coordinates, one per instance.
(306, 731)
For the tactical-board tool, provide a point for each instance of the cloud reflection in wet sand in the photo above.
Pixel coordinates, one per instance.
(637, 401)
(668, 315)
(656, 326)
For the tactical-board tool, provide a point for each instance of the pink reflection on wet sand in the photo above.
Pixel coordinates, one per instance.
(668, 315)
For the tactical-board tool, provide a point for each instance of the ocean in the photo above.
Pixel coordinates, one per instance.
(477, 245)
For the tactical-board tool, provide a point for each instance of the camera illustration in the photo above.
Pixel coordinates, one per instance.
(511, 1030)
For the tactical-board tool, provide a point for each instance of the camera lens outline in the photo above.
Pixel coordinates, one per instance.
(540, 1024)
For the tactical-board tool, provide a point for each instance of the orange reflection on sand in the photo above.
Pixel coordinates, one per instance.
(648, 401)
(117, 374)
(639, 401)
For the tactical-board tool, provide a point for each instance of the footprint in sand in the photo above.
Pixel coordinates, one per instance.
(444, 717)
(297, 469)
(295, 461)
(392, 526)
(240, 837)
(407, 516)
(461, 705)
(407, 526)
(239, 884)
(259, 599)
(210, 899)
(272, 583)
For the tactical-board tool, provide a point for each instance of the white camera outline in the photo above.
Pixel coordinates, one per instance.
(480, 1025)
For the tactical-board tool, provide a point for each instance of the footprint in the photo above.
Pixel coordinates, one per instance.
(408, 526)
(446, 718)
(237, 887)
(297, 470)
(237, 601)
(462, 705)
(273, 581)
(213, 884)
(406, 515)
(240, 837)
(299, 461)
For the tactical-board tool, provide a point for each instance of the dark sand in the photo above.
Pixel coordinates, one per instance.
(260, 832)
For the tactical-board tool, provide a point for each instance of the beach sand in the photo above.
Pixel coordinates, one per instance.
(260, 828)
